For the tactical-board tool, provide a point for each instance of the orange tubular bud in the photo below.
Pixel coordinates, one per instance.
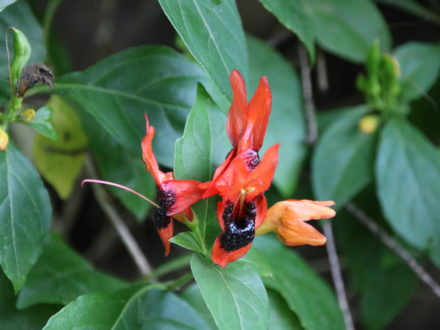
(287, 219)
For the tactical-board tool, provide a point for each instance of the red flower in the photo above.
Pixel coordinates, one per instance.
(173, 196)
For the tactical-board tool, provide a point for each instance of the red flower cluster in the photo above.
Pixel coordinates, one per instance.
(240, 180)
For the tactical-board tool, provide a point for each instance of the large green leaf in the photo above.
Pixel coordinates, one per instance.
(343, 161)
(408, 184)
(292, 15)
(61, 275)
(25, 215)
(420, 67)
(286, 123)
(120, 89)
(5, 3)
(193, 297)
(213, 33)
(12, 318)
(203, 146)
(118, 164)
(347, 28)
(20, 16)
(281, 317)
(158, 309)
(385, 283)
(242, 301)
(92, 311)
(304, 291)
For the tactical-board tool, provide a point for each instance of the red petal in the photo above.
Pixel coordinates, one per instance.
(236, 121)
(261, 202)
(148, 156)
(210, 186)
(222, 257)
(187, 193)
(165, 234)
(258, 111)
(261, 177)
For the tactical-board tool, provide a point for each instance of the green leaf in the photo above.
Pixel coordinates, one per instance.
(118, 164)
(42, 122)
(92, 311)
(384, 282)
(420, 67)
(203, 146)
(281, 317)
(157, 309)
(292, 15)
(408, 184)
(12, 318)
(286, 123)
(25, 215)
(61, 275)
(258, 262)
(187, 240)
(347, 28)
(414, 8)
(242, 302)
(343, 160)
(303, 290)
(20, 16)
(193, 297)
(61, 161)
(213, 34)
(118, 91)
(5, 3)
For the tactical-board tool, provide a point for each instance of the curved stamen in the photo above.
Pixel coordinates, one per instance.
(122, 187)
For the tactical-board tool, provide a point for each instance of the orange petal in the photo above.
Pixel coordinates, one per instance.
(258, 111)
(236, 120)
(222, 257)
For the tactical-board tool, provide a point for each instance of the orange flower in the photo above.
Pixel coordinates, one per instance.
(173, 196)
(287, 219)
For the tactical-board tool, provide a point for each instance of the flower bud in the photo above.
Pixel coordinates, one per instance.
(22, 53)
(4, 139)
(27, 115)
(369, 124)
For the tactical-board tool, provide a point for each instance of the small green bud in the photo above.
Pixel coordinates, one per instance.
(369, 124)
(373, 59)
(27, 115)
(4, 139)
(22, 53)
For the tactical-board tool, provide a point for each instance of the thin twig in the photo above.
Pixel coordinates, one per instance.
(321, 71)
(394, 246)
(309, 105)
(312, 137)
(130, 243)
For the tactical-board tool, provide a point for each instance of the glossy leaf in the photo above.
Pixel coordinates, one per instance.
(61, 161)
(12, 318)
(193, 297)
(292, 15)
(157, 309)
(408, 183)
(300, 286)
(120, 89)
(93, 310)
(20, 16)
(42, 123)
(347, 28)
(281, 317)
(25, 215)
(420, 68)
(116, 163)
(286, 123)
(5, 3)
(61, 275)
(242, 301)
(343, 161)
(258, 262)
(188, 241)
(213, 34)
(384, 282)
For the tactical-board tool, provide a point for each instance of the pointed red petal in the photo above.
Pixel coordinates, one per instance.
(210, 186)
(236, 121)
(261, 177)
(222, 257)
(258, 111)
(165, 235)
(261, 202)
(148, 155)
(187, 193)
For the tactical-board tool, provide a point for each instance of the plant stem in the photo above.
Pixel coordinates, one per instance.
(169, 267)
(180, 282)
(312, 137)
(394, 246)
(128, 240)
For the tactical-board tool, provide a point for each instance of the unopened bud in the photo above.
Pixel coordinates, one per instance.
(22, 53)
(4, 139)
(369, 124)
(27, 115)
